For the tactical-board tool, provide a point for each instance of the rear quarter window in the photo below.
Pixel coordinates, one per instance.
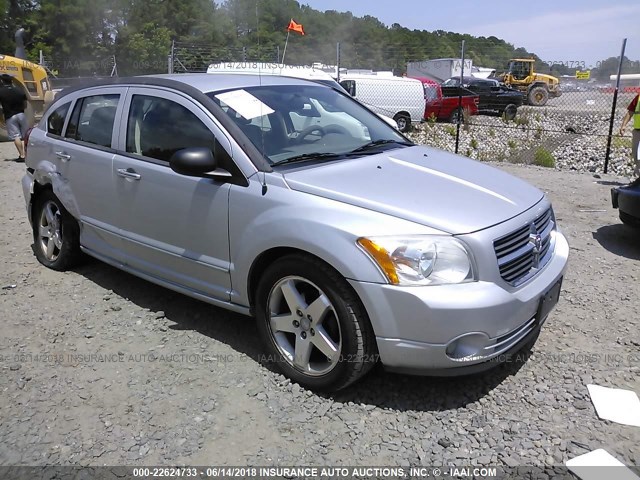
(55, 121)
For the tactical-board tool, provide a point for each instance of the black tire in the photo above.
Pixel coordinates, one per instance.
(403, 121)
(629, 220)
(538, 96)
(510, 111)
(65, 242)
(456, 117)
(356, 351)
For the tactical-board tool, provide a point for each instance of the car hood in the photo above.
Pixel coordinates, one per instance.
(431, 187)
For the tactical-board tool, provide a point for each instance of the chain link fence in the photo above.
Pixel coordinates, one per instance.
(548, 112)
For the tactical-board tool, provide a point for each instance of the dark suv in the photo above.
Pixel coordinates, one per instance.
(495, 98)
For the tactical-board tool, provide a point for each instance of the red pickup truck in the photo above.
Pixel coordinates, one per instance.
(446, 108)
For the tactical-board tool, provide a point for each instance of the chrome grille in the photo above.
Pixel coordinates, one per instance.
(523, 252)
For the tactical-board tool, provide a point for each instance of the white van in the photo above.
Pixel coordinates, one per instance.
(397, 97)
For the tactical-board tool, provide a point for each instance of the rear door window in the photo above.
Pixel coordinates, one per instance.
(93, 118)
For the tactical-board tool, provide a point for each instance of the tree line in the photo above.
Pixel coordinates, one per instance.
(80, 37)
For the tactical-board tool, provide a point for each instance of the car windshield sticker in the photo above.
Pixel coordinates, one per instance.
(245, 104)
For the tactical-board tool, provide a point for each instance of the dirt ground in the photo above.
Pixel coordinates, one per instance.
(102, 368)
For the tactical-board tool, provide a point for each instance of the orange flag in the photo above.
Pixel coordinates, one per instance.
(295, 27)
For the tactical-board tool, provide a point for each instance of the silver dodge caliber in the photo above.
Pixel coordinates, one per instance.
(288, 200)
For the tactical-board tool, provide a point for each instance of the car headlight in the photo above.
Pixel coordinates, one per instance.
(420, 260)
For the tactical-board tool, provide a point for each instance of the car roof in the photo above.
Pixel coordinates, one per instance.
(201, 82)
(206, 82)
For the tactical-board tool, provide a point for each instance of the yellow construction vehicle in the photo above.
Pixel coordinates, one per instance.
(538, 88)
(31, 78)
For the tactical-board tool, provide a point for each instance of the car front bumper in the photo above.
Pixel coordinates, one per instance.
(456, 329)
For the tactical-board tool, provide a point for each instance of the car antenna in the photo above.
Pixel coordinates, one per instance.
(264, 174)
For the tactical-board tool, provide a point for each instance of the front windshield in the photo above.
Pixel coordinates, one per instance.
(292, 121)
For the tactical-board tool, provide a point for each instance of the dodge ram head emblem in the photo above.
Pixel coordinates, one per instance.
(536, 240)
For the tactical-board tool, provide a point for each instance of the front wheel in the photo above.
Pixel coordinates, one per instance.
(313, 325)
(56, 236)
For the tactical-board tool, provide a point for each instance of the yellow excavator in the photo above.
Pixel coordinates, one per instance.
(31, 78)
(537, 88)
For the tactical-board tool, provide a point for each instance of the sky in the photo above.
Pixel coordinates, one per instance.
(562, 31)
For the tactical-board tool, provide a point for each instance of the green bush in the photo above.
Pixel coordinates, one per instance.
(621, 142)
(544, 158)
(522, 119)
(512, 144)
(474, 144)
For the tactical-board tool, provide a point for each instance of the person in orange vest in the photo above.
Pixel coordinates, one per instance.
(633, 110)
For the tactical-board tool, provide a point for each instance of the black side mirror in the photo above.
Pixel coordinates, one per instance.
(194, 162)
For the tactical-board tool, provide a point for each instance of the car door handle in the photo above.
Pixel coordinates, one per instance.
(63, 156)
(129, 173)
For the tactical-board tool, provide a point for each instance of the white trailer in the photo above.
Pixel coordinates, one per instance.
(439, 69)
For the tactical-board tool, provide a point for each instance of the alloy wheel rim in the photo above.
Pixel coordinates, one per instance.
(50, 231)
(304, 326)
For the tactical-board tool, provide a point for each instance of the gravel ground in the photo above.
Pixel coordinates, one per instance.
(101, 368)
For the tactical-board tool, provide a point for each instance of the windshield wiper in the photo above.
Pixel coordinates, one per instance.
(307, 157)
(331, 156)
(377, 143)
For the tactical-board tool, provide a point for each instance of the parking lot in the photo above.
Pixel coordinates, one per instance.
(95, 356)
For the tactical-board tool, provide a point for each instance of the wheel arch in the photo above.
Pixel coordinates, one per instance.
(402, 113)
(38, 189)
(537, 84)
(45, 175)
(268, 258)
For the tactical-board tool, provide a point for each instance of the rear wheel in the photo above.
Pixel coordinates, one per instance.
(403, 121)
(510, 112)
(538, 96)
(56, 235)
(313, 325)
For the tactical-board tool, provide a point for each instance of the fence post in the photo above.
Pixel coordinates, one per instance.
(338, 62)
(460, 99)
(613, 107)
(170, 57)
